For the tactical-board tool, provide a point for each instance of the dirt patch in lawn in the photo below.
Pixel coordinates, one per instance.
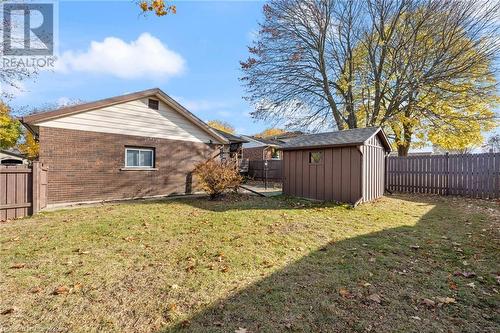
(403, 263)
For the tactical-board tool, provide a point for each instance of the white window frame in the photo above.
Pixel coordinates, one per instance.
(139, 150)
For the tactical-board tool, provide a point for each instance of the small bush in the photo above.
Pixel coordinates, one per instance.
(216, 177)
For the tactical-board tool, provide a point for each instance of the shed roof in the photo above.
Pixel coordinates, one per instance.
(352, 137)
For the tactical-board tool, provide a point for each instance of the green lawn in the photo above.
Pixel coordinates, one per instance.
(256, 265)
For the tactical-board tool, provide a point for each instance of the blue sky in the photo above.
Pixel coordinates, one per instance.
(207, 38)
(197, 53)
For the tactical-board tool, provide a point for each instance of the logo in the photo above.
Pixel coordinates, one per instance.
(28, 34)
(37, 29)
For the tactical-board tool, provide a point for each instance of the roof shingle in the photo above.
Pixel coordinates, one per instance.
(352, 137)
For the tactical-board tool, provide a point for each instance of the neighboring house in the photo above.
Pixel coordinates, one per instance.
(11, 157)
(261, 149)
(142, 144)
(235, 147)
(266, 148)
(287, 136)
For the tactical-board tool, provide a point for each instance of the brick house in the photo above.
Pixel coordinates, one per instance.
(143, 144)
(258, 149)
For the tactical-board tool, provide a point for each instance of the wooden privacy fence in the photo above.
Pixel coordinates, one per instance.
(473, 175)
(256, 170)
(23, 190)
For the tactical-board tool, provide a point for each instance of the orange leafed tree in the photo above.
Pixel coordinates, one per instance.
(270, 132)
(30, 147)
(222, 126)
(158, 7)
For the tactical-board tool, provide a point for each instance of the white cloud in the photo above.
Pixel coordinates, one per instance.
(145, 57)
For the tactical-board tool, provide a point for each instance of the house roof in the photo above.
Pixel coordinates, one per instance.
(232, 138)
(12, 152)
(156, 92)
(286, 135)
(352, 137)
(266, 142)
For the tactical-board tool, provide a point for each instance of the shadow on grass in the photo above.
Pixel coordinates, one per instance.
(335, 289)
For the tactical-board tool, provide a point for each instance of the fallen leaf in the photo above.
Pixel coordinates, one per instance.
(18, 265)
(61, 290)
(35, 290)
(428, 302)
(453, 285)
(241, 330)
(472, 285)
(8, 311)
(375, 298)
(465, 274)
(345, 293)
(446, 300)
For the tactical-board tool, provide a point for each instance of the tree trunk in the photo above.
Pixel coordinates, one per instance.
(403, 150)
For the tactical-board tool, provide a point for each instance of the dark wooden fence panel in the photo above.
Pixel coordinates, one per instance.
(472, 175)
(23, 190)
(256, 170)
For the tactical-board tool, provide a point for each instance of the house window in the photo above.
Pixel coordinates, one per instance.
(315, 157)
(275, 154)
(153, 104)
(139, 157)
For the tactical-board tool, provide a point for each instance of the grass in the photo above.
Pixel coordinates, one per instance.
(259, 264)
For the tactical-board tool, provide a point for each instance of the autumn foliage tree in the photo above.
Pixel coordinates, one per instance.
(30, 147)
(270, 132)
(10, 129)
(158, 7)
(422, 69)
(223, 126)
(216, 177)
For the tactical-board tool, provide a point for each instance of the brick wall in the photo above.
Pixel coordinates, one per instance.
(86, 166)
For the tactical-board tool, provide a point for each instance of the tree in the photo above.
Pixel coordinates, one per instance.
(493, 144)
(158, 7)
(30, 147)
(270, 132)
(10, 129)
(375, 63)
(222, 126)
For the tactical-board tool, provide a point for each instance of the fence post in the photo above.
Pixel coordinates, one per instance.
(447, 157)
(35, 195)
